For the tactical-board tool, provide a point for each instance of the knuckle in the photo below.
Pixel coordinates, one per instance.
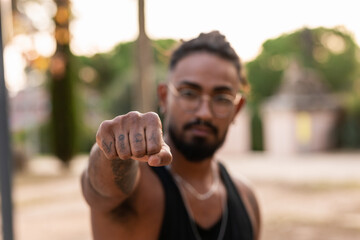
(118, 119)
(153, 118)
(105, 125)
(103, 131)
(133, 115)
(131, 119)
(152, 114)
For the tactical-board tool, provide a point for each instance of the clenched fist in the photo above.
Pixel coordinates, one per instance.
(134, 136)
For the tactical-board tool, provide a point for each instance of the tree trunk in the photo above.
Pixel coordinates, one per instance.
(62, 88)
(144, 87)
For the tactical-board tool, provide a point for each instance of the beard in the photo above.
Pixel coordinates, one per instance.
(197, 149)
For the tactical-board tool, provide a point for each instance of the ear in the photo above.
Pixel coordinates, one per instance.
(239, 106)
(162, 91)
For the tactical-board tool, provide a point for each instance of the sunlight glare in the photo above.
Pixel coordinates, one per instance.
(44, 44)
(99, 25)
(13, 68)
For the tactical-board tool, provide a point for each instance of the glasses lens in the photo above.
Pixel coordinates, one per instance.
(189, 99)
(222, 105)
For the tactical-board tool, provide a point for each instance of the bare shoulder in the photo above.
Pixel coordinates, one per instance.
(248, 195)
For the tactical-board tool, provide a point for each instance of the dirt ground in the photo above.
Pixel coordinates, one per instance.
(305, 197)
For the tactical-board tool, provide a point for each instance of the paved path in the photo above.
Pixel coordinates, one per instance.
(339, 166)
(305, 197)
(49, 205)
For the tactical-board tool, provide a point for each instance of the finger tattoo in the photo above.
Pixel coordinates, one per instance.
(138, 137)
(107, 146)
(153, 138)
(121, 139)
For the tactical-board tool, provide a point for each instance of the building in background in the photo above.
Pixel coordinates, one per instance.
(302, 116)
(29, 109)
(238, 139)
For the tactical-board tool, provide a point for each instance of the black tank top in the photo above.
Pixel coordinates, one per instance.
(176, 224)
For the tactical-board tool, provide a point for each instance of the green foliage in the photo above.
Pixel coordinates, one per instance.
(256, 130)
(115, 72)
(111, 83)
(349, 131)
(64, 119)
(109, 65)
(162, 51)
(330, 51)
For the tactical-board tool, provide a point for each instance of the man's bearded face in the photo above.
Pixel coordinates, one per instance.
(197, 148)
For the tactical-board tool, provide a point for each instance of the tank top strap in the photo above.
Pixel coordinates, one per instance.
(239, 224)
(175, 225)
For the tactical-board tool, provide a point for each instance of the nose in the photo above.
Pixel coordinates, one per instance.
(204, 110)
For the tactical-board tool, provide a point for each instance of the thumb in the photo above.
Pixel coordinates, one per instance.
(164, 157)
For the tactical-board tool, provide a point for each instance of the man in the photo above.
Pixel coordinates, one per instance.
(143, 185)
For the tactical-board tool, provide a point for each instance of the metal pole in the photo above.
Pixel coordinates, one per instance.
(5, 154)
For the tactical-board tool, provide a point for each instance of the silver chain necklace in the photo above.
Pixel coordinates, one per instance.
(194, 228)
(194, 192)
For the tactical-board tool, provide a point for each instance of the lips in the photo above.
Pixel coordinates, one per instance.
(201, 130)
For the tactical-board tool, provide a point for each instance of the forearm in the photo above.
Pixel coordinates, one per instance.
(110, 178)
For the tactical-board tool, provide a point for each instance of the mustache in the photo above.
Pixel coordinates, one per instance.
(200, 122)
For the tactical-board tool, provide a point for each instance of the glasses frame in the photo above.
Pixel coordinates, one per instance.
(208, 97)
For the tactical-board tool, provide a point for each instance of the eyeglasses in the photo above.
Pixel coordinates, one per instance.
(190, 100)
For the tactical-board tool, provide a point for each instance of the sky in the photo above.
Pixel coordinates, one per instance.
(99, 25)
(246, 24)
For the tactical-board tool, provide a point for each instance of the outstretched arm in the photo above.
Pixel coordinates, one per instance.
(113, 172)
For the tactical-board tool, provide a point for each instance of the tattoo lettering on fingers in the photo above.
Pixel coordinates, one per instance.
(124, 174)
(139, 138)
(121, 139)
(153, 143)
(153, 138)
(107, 146)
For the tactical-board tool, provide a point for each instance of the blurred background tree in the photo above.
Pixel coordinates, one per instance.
(107, 82)
(87, 89)
(332, 52)
(50, 69)
(143, 94)
(82, 90)
(63, 87)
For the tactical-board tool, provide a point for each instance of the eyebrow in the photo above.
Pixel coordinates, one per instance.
(198, 87)
(190, 84)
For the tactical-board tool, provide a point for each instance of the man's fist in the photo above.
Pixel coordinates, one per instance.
(134, 135)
